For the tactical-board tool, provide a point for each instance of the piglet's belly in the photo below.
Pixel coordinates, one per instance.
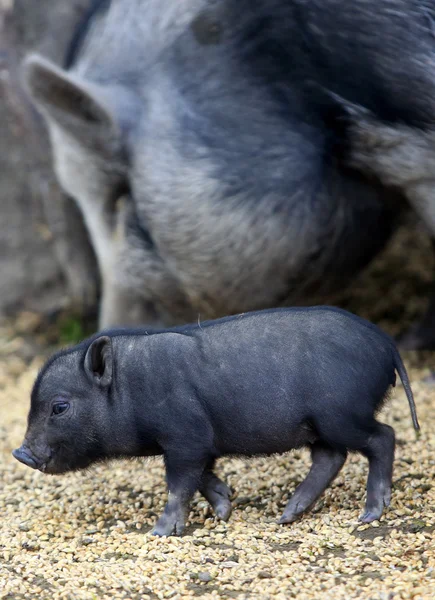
(272, 439)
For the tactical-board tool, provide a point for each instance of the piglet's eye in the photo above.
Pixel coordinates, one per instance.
(59, 408)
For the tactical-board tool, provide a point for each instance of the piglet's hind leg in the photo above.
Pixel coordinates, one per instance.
(380, 453)
(327, 463)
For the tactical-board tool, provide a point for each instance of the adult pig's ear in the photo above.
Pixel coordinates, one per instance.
(99, 361)
(74, 105)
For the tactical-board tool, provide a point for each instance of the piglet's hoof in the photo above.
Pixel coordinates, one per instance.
(223, 509)
(369, 517)
(288, 518)
(166, 527)
(219, 497)
(218, 494)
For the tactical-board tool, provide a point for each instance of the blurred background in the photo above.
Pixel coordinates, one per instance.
(46, 263)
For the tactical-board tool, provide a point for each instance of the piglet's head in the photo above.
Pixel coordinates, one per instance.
(69, 409)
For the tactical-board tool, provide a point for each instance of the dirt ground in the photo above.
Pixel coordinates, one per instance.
(86, 535)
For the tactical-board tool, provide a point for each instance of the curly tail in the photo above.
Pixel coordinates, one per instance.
(400, 368)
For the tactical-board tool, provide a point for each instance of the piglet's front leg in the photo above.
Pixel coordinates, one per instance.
(183, 475)
(217, 493)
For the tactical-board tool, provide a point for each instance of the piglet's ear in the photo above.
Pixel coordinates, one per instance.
(99, 361)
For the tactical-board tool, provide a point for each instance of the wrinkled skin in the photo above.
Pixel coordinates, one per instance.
(260, 383)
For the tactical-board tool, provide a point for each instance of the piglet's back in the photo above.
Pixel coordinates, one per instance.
(317, 333)
(308, 353)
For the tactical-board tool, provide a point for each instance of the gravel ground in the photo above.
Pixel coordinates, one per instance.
(86, 535)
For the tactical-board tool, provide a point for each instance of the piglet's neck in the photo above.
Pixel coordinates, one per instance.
(131, 402)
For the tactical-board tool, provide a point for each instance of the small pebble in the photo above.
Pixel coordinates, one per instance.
(265, 575)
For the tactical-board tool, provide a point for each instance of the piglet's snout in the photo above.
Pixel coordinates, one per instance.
(26, 456)
(37, 459)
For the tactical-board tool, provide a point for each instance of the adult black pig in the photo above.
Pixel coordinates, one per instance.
(257, 383)
(207, 160)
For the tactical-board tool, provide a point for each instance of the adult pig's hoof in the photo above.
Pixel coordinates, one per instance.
(417, 337)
